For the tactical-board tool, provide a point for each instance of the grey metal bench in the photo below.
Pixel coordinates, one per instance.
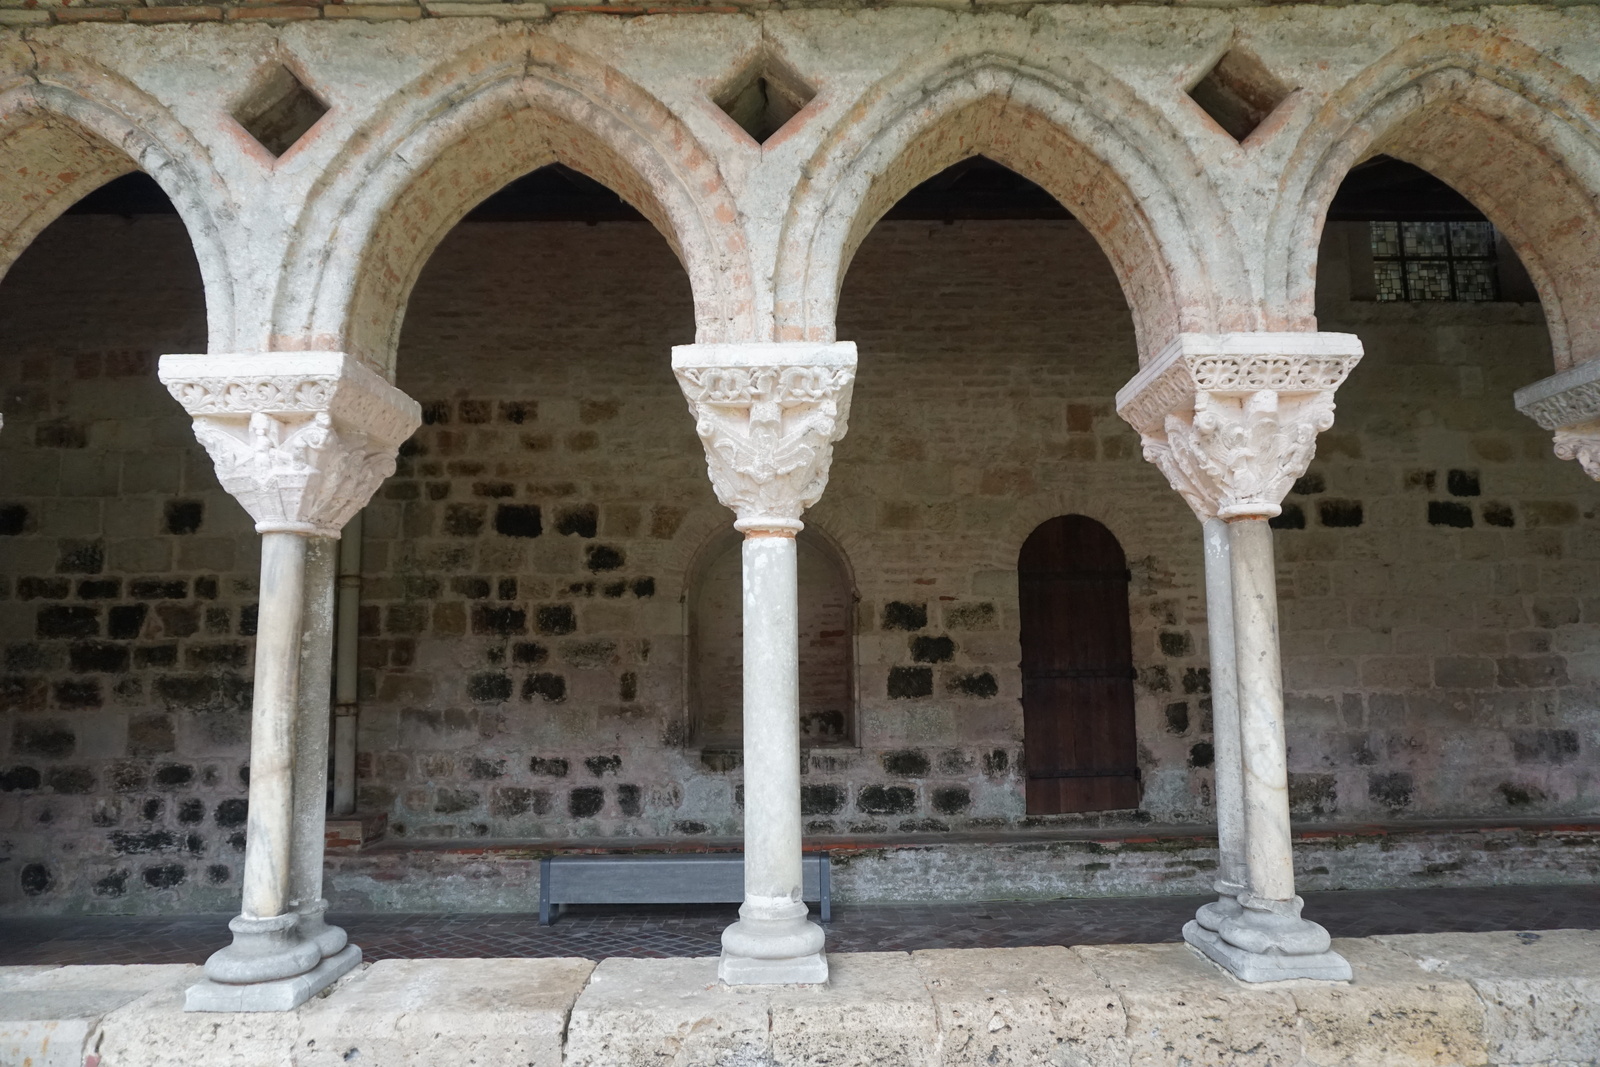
(695, 878)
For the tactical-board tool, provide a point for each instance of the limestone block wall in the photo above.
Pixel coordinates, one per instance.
(523, 648)
(127, 588)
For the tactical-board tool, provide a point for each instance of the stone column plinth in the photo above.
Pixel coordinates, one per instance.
(302, 440)
(768, 415)
(1569, 405)
(1232, 421)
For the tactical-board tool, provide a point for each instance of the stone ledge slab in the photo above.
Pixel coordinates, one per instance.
(1507, 999)
(47, 1014)
(1540, 991)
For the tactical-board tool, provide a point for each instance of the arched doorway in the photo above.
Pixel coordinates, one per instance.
(1077, 669)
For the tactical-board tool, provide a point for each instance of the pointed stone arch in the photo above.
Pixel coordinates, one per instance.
(1107, 157)
(68, 126)
(1484, 114)
(459, 134)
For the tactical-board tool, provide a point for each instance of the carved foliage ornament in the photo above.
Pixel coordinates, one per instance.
(1581, 443)
(1232, 420)
(301, 439)
(768, 415)
(1569, 404)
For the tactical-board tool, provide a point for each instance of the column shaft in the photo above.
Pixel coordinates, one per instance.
(269, 828)
(346, 648)
(311, 748)
(773, 942)
(771, 727)
(1268, 849)
(1226, 758)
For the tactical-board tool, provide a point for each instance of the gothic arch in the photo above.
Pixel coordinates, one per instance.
(1484, 114)
(1107, 157)
(459, 134)
(68, 126)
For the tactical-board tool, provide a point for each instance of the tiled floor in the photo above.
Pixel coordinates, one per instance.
(597, 932)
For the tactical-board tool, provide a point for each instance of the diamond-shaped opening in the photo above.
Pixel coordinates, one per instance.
(279, 111)
(1239, 93)
(764, 98)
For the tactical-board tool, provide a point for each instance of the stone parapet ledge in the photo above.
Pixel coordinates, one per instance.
(1510, 999)
(1569, 405)
(24, 13)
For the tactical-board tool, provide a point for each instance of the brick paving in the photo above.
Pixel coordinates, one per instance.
(597, 932)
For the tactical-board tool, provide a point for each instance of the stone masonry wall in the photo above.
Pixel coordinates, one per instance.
(523, 649)
(127, 587)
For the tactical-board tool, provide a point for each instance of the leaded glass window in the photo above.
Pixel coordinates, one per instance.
(1433, 260)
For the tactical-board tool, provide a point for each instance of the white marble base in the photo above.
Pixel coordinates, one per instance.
(284, 994)
(1265, 966)
(799, 970)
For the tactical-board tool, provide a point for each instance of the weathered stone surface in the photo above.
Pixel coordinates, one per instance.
(155, 1031)
(643, 1012)
(874, 1010)
(1540, 991)
(1022, 1007)
(1391, 1014)
(1447, 1000)
(1195, 1012)
(47, 1014)
(495, 1013)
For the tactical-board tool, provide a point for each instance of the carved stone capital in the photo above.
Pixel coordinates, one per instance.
(1232, 419)
(301, 439)
(1569, 404)
(768, 415)
(1581, 443)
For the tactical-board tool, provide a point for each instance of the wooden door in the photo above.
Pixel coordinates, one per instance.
(1077, 669)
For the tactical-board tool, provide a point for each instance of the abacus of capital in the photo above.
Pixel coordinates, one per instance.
(768, 415)
(302, 440)
(1569, 404)
(1232, 421)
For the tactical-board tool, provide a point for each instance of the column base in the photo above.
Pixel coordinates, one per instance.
(1265, 966)
(283, 994)
(1211, 916)
(263, 950)
(800, 970)
(330, 940)
(776, 946)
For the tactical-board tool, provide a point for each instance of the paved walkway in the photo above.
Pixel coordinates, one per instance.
(598, 932)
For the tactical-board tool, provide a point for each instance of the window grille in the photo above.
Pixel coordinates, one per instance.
(1434, 260)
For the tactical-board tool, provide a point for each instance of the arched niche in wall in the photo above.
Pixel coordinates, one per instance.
(716, 643)
(1077, 669)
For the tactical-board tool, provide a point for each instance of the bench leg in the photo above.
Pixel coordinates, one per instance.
(544, 892)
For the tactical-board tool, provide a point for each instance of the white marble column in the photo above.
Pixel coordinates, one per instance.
(346, 645)
(301, 440)
(1227, 768)
(311, 749)
(1568, 404)
(767, 415)
(1232, 421)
